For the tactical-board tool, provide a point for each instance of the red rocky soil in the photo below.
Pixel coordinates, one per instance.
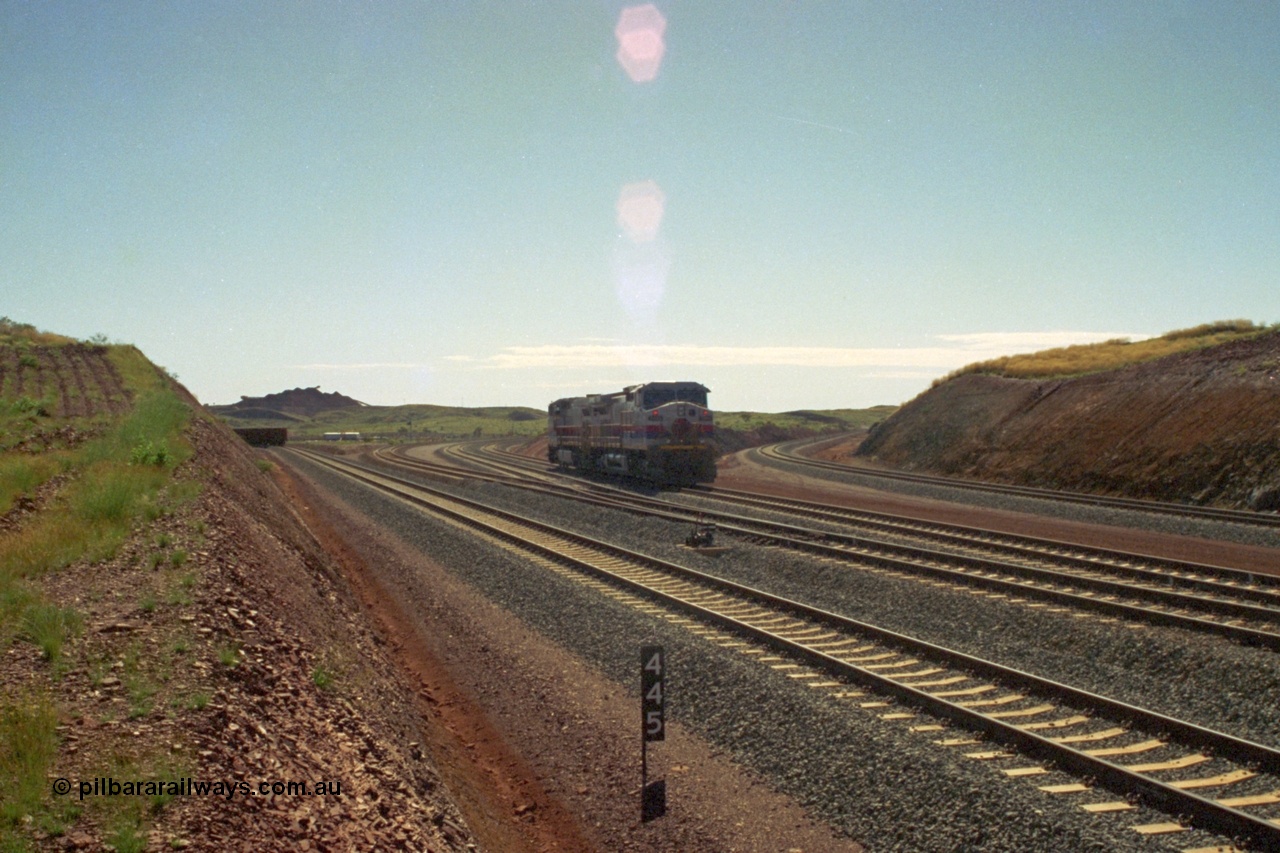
(223, 644)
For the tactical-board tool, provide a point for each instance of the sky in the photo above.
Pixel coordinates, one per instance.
(799, 203)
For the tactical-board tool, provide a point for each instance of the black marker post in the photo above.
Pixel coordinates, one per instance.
(653, 715)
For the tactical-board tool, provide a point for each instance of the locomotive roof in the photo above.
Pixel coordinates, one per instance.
(682, 382)
(679, 383)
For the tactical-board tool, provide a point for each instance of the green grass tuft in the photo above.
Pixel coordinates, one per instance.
(323, 677)
(198, 700)
(49, 626)
(28, 744)
(108, 494)
(15, 599)
(150, 453)
(22, 474)
(126, 836)
(229, 656)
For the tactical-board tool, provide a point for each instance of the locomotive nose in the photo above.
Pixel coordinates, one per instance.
(681, 430)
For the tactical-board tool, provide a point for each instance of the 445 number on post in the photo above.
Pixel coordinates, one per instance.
(653, 676)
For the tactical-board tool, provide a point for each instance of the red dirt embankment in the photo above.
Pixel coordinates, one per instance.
(1200, 426)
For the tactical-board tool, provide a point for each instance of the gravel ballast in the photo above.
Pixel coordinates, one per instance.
(874, 779)
(1184, 674)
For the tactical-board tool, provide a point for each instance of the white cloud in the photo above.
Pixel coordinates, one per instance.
(602, 355)
(583, 385)
(586, 355)
(901, 374)
(956, 351)
(379, 365)
(1006, 343)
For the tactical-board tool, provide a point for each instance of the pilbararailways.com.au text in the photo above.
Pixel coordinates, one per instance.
(110, 787)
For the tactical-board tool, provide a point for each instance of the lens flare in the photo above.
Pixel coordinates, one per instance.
(640, 271)
(640, 209)
(640, 45)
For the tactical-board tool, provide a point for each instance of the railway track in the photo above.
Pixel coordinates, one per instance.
(1087, 563)
(1038, 551)
(1239, 606)
(1130, 751)
(1216, 588)
(786, 452)
(462, 462)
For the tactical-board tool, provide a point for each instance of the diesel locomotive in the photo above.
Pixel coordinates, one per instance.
(657, 431)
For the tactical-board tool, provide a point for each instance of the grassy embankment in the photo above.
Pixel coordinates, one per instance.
(95, 494)
(1083, 359)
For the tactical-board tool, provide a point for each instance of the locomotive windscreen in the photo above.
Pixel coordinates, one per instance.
(654, 397)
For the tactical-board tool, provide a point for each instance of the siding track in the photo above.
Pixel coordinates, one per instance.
(1240, 606)
(786, 452)
(1131, 751)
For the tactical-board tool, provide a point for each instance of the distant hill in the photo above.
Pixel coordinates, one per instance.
(309, 413)
(297, 403)
(736, 430)
(817, 420)
(1200, 423)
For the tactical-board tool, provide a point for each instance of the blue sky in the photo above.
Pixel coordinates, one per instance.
(434, 201)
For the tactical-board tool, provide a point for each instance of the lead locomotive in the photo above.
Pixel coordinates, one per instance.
(658, 431)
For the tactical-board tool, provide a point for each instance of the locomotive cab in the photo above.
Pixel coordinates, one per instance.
(671, 431)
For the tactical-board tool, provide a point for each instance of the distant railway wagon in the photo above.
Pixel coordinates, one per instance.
(264, 436)
(657, 431)
(341, 436)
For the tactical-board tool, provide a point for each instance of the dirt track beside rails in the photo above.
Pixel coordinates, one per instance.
(503, 801)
